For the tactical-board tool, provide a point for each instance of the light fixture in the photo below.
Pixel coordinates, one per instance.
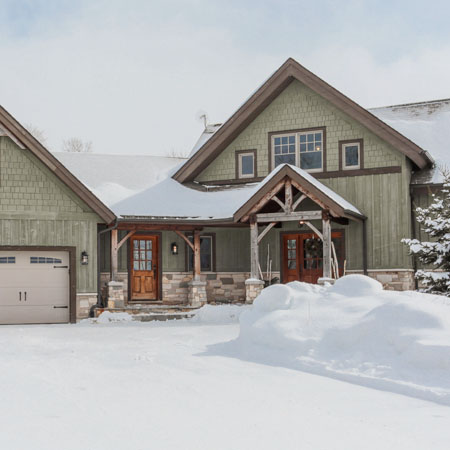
(84, 258)
(174, 248)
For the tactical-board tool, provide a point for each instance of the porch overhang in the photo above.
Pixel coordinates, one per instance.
(288, 177)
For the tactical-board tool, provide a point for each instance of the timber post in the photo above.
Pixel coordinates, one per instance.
(254, 285)
(197, 288)
(115, 288)
(326, 233)
(254, 253)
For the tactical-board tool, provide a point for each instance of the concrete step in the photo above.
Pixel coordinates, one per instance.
(147, 313)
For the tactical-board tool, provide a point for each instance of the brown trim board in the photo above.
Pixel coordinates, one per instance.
(72, 270)
(289, 71)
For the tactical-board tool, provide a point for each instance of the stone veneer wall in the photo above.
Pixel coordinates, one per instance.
(84, 304)
(220, 286)
(392, 280)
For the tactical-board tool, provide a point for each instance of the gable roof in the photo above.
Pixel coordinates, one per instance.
(305, 183)
(289, 71)
(24, 139)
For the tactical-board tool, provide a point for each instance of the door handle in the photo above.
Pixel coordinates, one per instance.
(20, 296)
(25, 295)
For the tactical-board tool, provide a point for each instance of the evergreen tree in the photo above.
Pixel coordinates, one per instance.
(435, 221)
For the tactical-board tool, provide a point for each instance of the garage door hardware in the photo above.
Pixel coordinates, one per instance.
(20, 297)
(60, 267)
(60, 307)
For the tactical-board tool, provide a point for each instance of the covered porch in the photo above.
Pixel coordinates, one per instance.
(290, 194)
(181, 261)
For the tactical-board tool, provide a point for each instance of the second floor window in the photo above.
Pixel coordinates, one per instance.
(303, 149)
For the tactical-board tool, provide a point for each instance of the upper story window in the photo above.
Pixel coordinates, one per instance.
(303, 148)
(246, 164)
(351, 154)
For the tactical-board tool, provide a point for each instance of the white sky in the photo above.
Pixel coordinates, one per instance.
(132, 75)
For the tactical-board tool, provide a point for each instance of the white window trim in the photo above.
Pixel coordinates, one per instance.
(351, 144)
(321, 159)
(297, 147)
(285, 135)
(241, 175)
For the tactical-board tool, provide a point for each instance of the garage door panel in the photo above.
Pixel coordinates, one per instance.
(33, 314)
(34, 287)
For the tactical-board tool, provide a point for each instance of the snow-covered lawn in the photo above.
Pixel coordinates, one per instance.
(172, 386)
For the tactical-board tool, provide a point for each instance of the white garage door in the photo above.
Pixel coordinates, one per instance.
(34, 287)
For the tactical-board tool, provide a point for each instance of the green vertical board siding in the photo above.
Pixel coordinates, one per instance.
(37, 209)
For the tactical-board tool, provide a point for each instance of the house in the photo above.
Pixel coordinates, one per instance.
(300, 183)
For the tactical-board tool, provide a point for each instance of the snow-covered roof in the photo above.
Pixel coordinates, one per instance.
(309, 182)
(204, 137)
(170, 199)
(113, 178)
(428, 125)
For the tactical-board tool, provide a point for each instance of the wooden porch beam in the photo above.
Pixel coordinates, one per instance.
(197, 267)
(254, 254)
(156, 227)
(276, 199)
(265, 231)
(125, 239)
(291, 217)
(185, 238)
(288, 196)
(264, 200)
(298, 201)
(326, 231)
(114, 252)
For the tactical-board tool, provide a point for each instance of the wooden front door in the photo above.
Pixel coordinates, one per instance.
(302, 256)
(144, 268)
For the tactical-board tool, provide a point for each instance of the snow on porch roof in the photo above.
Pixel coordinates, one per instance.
(311, 184)
(169, 200)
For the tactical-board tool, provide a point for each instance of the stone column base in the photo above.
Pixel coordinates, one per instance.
(323, 280)
(253, 288)
(115, 295)
(197, 293)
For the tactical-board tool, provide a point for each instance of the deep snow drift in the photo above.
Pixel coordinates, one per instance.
(398, 341)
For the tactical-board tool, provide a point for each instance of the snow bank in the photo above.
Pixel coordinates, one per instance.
(219, 314)
(398, 341)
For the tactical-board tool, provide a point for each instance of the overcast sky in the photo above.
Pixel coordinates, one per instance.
(131, 75)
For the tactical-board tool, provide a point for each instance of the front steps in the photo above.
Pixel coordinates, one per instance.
(148, 313)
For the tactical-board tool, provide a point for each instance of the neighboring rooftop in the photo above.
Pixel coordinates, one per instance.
(113, 178)
(428, 125)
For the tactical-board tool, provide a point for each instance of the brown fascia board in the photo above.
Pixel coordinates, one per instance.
(32, 144)
(287, 172)
(289, 71)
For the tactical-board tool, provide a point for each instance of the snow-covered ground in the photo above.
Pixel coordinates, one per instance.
(178, 385)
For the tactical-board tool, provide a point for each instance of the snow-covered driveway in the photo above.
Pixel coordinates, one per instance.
(155, 386)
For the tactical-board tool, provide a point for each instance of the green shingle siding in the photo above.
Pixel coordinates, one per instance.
(38, 209)
(298, 107)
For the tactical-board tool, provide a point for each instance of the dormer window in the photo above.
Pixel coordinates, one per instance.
(303, 148)
(246, 164)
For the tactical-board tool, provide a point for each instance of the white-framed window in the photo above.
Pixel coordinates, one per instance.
(246, 164)
(304, 149)
(351, 155)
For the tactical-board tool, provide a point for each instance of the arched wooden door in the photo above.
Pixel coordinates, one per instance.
(302, 256)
